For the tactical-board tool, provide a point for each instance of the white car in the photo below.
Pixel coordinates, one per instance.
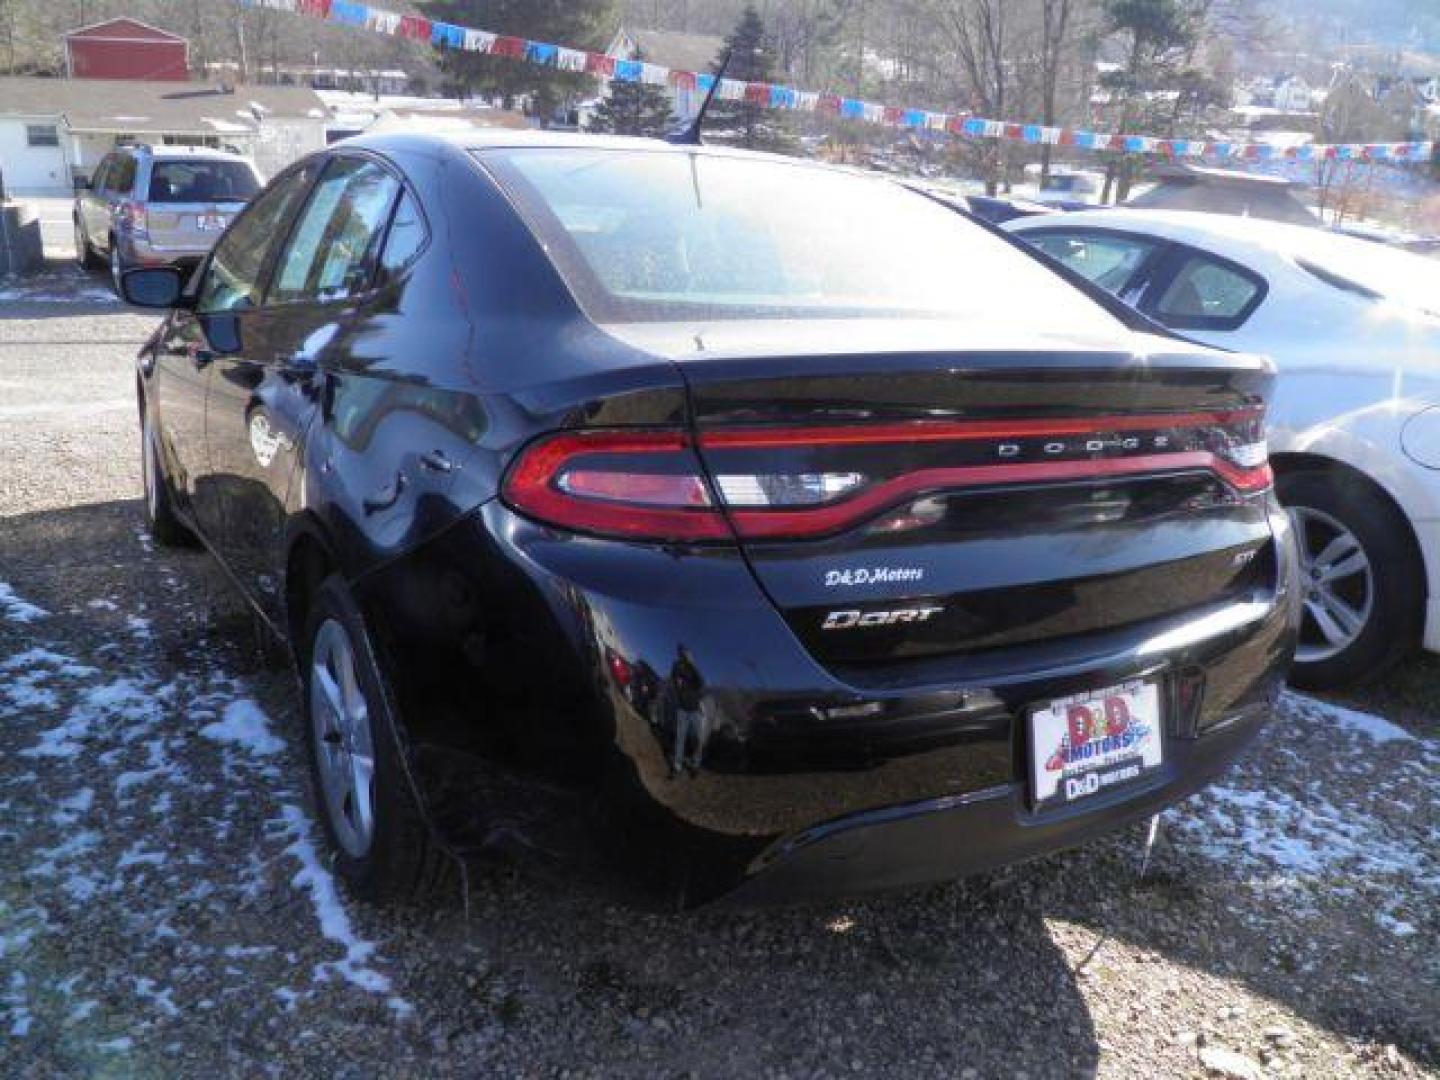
(1354, 329)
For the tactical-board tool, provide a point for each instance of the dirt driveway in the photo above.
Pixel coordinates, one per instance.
(165, 907)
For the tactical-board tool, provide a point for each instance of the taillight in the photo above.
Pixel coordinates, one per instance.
(638, 484)
(797, 482)
(135, 215)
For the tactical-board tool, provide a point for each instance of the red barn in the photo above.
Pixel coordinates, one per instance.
(126, 49)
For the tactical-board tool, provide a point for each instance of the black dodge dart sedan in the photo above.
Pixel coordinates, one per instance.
(743, 525)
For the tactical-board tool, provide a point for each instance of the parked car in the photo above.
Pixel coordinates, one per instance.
(1354, 328)
(159, 206)
(673, 502)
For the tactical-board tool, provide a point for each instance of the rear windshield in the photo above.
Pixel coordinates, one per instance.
(652, 236)
(201, 181)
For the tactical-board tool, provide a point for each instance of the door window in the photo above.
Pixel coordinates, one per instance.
(121, 177)
(233, 279)
(1109, 261)
(97, 182)
(333, 248)
(1207, 294)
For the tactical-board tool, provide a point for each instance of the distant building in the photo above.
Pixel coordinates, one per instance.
(126, 49)
(53, 130)
(1292, 94)
(666, 48)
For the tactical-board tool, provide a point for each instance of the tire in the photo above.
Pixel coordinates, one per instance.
(117, 268)
(1362, 583)
(84, 253)
(384, 849)
(165, 526)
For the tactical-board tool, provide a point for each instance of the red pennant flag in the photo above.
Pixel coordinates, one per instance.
(682, 80)
(757, 93)
(512, 47)
(828, 103)
(413, 26)
(600, 64)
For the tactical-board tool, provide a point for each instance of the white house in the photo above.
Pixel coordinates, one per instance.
(679, 52)
(1292, 94)
(53, 130)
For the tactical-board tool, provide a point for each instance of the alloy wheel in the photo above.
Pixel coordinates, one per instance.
(81, 254)
(344, 747)
(115, 268)
(1337, 583)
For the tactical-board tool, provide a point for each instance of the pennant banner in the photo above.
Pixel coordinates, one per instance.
(445, 35)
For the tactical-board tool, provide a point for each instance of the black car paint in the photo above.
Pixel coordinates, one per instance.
(535, 666)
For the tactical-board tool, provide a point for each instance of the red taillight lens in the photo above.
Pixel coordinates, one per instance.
(791, 483)
(636, 484)
(135, 216)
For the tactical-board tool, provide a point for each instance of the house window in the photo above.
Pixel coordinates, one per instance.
(42, 135)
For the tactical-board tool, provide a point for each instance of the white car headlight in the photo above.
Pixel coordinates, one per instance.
(1420, 437)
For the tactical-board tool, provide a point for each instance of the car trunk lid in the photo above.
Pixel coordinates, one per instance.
(919, 492)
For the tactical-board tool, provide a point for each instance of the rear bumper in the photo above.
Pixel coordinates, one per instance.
(565, 695)
(942, 839)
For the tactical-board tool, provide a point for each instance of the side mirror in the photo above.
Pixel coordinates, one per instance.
(154, 287)
(82, 183)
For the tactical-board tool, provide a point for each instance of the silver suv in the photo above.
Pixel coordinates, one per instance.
(160, 206)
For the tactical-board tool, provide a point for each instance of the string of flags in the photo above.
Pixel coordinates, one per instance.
(776, 96)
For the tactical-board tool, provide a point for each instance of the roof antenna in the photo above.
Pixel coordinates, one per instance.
(689, 135)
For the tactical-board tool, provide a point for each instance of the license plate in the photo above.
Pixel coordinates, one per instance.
(210, 222)
(1084, 744)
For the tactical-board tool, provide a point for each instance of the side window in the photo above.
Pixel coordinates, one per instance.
(406, 237)
(233, 279)
(1109, 261)
(1207, 294)
(121, 177)
(333, 247)
(97, 181)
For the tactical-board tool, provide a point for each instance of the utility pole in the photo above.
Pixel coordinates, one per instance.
(240, 35)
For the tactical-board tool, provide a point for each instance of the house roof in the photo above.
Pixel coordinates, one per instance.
(136, 107)
(124, 30)
(668, 48)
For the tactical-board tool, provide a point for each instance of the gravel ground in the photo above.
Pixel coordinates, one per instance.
(166, 909)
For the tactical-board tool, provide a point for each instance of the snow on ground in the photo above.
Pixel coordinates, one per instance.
(1317, 844)
(68, 286)
(157, 815)
(13, 606)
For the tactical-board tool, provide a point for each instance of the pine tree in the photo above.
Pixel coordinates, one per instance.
(633, 108)
(578, 24)
(756, 127)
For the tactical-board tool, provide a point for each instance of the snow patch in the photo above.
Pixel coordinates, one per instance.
(333, 918)
(244, 724)
(1352, 720)
(16, 608)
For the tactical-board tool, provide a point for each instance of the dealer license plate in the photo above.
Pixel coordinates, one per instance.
(1086, 743)
(210, 222)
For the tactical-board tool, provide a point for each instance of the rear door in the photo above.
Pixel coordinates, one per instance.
(264, 397)
(89, 199)
(190, 201)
